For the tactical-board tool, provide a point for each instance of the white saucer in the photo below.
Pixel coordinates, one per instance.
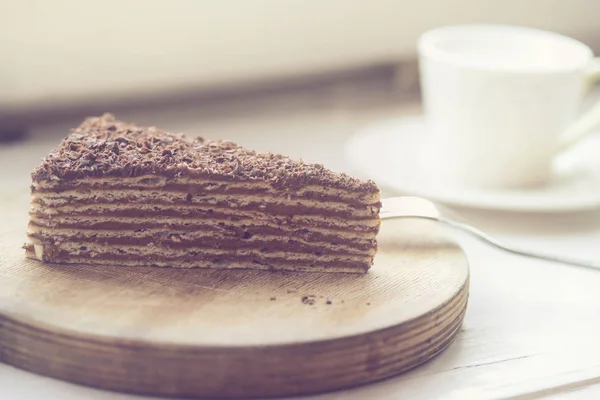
(388, 153)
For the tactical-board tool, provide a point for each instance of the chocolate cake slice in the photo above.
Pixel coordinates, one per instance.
(113, 193)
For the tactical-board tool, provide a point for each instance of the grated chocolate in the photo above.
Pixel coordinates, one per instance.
(105, 147)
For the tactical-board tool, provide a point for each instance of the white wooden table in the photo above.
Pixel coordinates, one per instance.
(532, 328)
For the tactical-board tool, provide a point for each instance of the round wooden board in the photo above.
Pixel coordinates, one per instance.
(215, 333)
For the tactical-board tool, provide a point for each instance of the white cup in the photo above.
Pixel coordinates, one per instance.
(500, 102)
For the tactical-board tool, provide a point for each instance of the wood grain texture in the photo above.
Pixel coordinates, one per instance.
(195, 333)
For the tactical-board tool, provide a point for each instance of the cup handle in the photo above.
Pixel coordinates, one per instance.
(591, 119)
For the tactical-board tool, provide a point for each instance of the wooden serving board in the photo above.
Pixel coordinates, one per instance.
(214, 333)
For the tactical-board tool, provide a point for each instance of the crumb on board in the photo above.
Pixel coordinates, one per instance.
(310, 299)
(328, 301)
(273, 298)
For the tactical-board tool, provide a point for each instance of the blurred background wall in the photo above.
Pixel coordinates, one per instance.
(63, 51)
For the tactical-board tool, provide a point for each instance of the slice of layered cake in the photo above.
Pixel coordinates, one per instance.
(113, 193)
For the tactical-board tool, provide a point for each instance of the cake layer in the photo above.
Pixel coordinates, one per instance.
(117, 222)
(227, 232)
(266, 205)
(153, 196)
(176, 241)
(152, 180)
(192, 216)
(202, 187)
(93, 250)
(281, 265)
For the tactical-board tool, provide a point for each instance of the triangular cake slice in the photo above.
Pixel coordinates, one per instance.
(113, 193)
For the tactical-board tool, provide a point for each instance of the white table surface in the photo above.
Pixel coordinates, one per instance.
(532, 327)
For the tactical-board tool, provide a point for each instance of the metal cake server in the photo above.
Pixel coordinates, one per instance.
(416, 207)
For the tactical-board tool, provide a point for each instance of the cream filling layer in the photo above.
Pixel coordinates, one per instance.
(246, 219)
(181, 198)
(158, 181)
(97, 250)
(65, 235)
(311, 223)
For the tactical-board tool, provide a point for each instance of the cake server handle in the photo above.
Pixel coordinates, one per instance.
(417, 207)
